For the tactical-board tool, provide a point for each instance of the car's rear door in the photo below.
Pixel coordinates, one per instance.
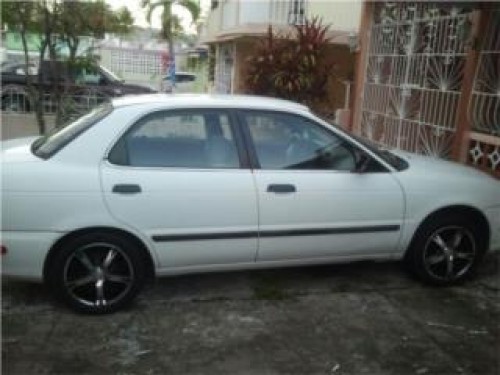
(179, 177)
(311, 204)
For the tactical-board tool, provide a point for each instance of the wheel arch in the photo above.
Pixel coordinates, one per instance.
(477, 218)
(150, 264)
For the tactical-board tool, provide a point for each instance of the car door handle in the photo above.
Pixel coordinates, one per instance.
(281, 188)
(126, 189)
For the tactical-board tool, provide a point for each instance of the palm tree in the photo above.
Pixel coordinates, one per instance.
(170, 22)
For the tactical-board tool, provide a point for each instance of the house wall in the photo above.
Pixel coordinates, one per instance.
(232, 15)
(212, 24)
(254, 12)
(343, 15)
(241, 21)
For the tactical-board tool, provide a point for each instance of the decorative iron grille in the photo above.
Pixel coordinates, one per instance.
(414, 75)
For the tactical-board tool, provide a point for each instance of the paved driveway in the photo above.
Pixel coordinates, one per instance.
(363, 318)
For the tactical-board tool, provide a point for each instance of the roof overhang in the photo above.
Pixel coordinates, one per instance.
(338, 37)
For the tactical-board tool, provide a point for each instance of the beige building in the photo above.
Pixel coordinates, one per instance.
(233, 25)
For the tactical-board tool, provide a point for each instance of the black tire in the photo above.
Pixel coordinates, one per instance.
(446, 250)
(97, 273)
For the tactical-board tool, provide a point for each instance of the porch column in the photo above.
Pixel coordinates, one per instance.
(360, 66)
(480, 21)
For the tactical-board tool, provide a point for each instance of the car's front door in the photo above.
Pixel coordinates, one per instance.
(311, 204)
(177, 177)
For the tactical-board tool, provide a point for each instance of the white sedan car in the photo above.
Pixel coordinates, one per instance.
(166, 184)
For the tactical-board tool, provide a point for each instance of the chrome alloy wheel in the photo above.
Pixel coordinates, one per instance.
(449, 253)
(98, 274)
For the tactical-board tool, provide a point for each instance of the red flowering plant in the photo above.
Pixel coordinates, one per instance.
(291, 65)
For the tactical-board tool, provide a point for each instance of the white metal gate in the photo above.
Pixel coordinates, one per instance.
(414, 74)
(224, 68)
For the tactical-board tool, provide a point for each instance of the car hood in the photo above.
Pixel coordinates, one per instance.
(18, 150)
(433, 175)
(435, 165)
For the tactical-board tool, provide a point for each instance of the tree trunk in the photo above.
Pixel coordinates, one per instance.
(34, 94)
(168, 34)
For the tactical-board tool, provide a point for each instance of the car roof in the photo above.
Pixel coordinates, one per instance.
(208, 100)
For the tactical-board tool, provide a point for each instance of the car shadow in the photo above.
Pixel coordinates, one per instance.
(268, 284)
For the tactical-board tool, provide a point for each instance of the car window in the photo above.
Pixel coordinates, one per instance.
(285, 141)
(89, 75)
(185, 78)
(48, 145)
(198, 139)
(19, 69)
(182, 78)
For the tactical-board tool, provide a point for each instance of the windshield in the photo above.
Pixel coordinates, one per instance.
(48, 145)
(110, 75)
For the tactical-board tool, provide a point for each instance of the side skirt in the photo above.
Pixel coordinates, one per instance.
(171, 271)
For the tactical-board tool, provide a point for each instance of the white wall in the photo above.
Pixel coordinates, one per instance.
(229, 14)
(342, 15)
(254, 12)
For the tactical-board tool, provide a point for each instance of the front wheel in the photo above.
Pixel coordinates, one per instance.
(446, 251)
(97, 273)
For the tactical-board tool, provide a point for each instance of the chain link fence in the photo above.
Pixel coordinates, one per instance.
(75, 102)
(18, 109)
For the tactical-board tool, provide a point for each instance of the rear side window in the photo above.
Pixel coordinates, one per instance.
(48, 145)
(187, 139)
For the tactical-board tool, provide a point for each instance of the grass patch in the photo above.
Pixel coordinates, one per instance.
(267, 289)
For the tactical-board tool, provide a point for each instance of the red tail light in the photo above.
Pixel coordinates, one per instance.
(3, 250)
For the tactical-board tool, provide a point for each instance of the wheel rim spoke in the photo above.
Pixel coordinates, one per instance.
(100, 299)
(110, 256)
(457, 239)
(85, 260)
(440, 242)
(80, 282)
(119, 279)
(436, 259)
(449, 267)
(464, 256)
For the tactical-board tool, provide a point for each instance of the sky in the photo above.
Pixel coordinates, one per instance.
(140, 14)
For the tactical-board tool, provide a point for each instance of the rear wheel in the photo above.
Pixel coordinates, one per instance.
(446, 251)
(97, 273)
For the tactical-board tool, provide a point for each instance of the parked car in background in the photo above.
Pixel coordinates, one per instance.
(80, 81)
(171, 184)
(184, 83)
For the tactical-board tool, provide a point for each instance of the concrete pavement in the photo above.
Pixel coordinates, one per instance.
(364, 318)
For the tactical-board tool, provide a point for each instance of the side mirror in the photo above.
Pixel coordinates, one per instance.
(362, 161)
